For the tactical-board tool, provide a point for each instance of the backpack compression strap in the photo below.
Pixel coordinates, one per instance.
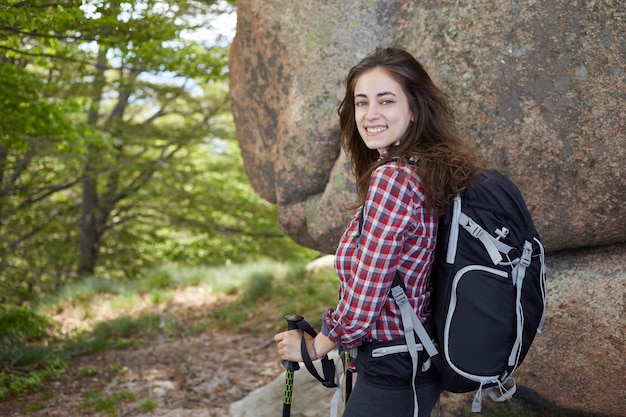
(409, 317)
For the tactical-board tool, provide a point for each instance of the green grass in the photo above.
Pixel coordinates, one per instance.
(109, 405)
(287, 290)
(148, 405)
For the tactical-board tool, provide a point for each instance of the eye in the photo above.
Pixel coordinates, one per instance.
(386, 101)
(360, 103)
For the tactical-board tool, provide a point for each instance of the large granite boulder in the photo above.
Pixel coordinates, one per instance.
(539, 87)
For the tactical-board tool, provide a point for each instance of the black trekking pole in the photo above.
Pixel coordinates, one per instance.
(348, 375)
(291, 367)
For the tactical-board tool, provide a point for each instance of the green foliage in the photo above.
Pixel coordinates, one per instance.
(21, 328)
(114, 334)
(25, 113)
(20, 324)
(148, 405)
(109, 405)
(35, 407)
(291, 289)
(259, 286)
(117, 146)
(19, 383)
(87, 371)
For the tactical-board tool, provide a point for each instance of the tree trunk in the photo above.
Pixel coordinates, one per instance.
(101, 184)
(90, 230)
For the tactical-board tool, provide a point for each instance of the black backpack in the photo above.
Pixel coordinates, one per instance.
(489, 290)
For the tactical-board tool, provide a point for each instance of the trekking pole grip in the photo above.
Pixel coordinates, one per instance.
(292, 324)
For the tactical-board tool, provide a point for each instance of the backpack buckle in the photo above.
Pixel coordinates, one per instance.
(399, 295)
(473, 228)
(527, 254)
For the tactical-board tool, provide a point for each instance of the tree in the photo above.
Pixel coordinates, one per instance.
(112, 161)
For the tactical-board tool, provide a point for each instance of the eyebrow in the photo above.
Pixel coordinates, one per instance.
(385, 93)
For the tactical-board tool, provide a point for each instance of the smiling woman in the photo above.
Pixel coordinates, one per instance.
(382, 111)
(397, 129)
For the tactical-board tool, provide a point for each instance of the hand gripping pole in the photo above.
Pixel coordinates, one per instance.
(290, 367)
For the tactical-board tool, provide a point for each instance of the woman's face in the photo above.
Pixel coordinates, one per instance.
(381, 109)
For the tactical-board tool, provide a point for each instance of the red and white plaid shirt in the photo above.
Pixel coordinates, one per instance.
(398, 234)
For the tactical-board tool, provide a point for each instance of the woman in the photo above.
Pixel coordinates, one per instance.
(408, 161)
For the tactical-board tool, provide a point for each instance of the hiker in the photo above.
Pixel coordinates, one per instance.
(398, 130)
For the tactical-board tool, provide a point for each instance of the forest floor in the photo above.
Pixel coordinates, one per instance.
(199, 375)
(205, 373)
(192, 376)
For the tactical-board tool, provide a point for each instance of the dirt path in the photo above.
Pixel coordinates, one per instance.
(197, 376)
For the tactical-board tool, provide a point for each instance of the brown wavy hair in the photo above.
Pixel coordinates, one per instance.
(446, 165)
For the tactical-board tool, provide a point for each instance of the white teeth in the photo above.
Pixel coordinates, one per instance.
(376, 130)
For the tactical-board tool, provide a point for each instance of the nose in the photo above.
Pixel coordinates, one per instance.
(373, 112)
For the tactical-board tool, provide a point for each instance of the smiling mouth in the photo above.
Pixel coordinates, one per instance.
(376, 129)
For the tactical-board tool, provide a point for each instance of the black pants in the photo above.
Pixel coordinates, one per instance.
(383, 386)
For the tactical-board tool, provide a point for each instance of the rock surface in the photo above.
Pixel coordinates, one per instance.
(579, 360)
(538, 86)
(309, 399)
